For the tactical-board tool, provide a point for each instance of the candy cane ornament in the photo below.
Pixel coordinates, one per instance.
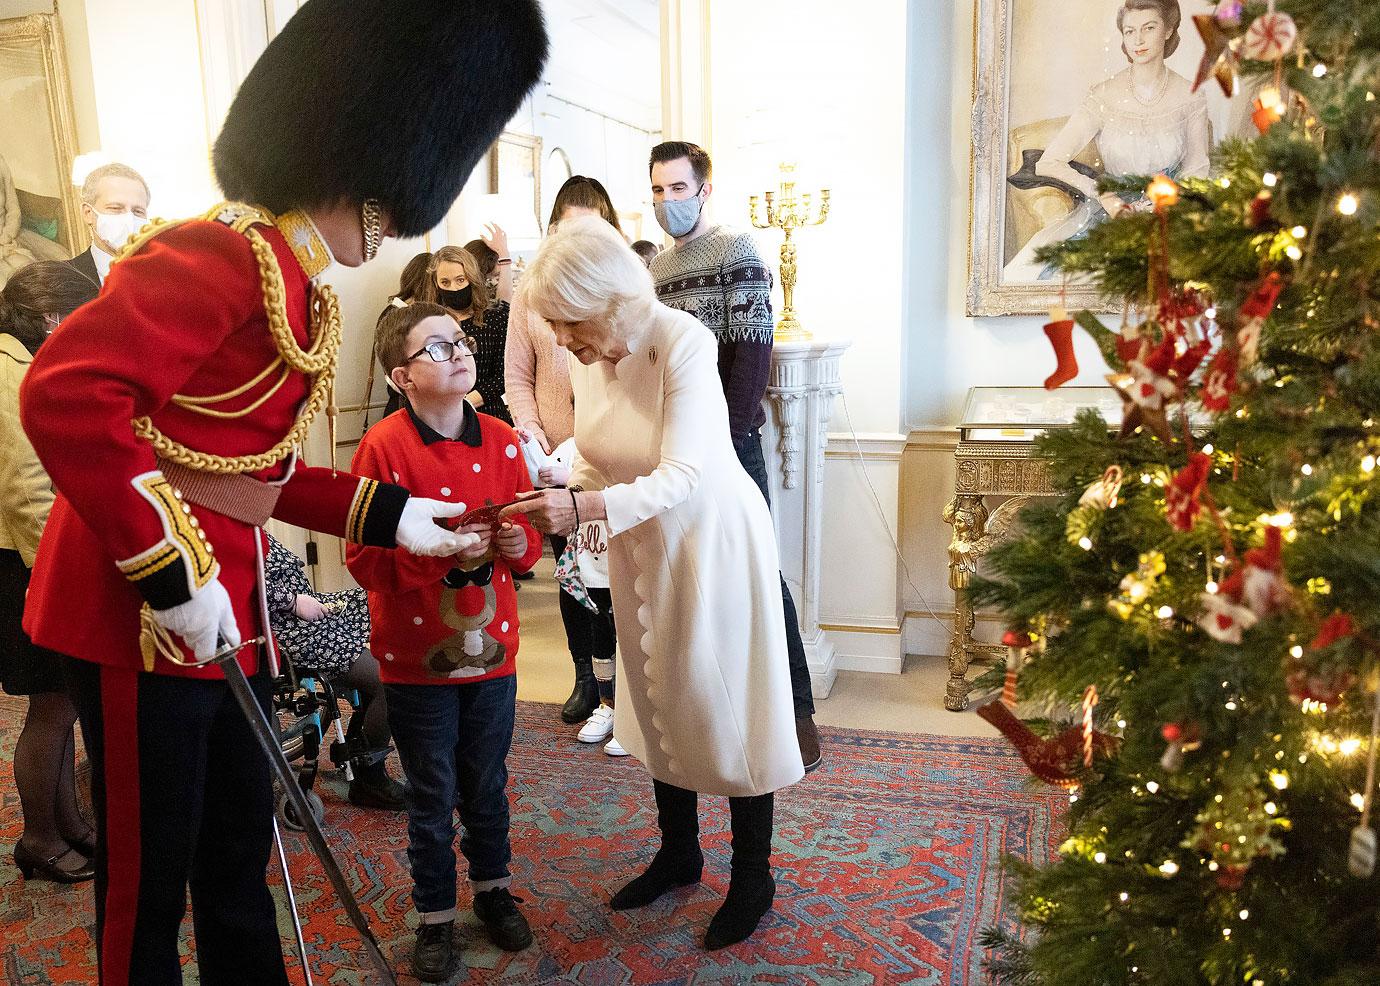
(1089, 702)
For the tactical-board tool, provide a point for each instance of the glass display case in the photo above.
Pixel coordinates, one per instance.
(1018, 414)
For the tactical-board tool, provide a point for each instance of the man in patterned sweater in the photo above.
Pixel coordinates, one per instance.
(716, 275)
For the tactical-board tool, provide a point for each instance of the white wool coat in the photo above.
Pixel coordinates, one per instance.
(703, 690)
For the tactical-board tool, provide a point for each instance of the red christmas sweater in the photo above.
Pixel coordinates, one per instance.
(431, 622)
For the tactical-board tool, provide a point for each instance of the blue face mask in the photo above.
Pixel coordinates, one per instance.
(679, 218)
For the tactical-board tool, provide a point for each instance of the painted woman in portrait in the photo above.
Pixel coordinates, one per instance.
(1144, 120)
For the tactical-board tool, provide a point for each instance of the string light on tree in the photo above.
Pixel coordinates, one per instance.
(1268, 264)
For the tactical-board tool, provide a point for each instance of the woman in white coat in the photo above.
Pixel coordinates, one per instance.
(692, 563)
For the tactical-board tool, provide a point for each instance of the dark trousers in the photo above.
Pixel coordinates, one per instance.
(749, 451)
(182, 798)
(590, 636)
(453, 743)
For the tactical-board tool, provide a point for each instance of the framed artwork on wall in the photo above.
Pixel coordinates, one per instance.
(1065, 91)
(515, 165)
(40, 212)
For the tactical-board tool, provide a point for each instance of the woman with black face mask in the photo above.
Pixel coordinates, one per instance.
(456, 283)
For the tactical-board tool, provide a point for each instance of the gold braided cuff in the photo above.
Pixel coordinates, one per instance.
(171, 571)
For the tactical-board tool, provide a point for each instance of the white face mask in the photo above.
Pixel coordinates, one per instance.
(117, 227)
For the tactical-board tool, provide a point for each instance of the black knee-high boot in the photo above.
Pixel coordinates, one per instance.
(678, 863)
(751, 888)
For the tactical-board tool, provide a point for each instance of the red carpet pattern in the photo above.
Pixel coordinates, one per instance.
(888, 863)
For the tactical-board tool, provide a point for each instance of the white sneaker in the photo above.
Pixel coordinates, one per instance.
(614, 750)
(599, 727)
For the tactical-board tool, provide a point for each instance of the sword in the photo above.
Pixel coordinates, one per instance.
(292, 901)
(268, 739)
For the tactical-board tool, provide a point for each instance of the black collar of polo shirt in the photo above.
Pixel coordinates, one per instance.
(470, 432)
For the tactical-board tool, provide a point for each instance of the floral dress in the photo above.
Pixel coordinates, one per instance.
(325, 647)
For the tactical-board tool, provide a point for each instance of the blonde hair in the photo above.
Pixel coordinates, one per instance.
(585, 271)
(480, 300)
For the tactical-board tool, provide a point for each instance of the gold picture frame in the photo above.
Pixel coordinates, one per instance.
(1089, 108)
(515, 168)
(38, 138)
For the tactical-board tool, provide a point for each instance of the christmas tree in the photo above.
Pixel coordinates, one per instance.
(1196, 624)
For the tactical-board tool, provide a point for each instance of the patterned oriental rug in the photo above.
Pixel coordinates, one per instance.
(888, 865)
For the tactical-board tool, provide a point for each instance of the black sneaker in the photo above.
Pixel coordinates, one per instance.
(507, 928)
(433, 957)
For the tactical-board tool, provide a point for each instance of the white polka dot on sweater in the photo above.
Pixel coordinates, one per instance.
(388, 657)
(461, 505)
(445, 491)
(504, 626)
(395, 477)
(511, 451)
(476, 467)
(417, 620)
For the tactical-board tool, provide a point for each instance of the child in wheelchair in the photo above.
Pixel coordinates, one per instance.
(324, 636)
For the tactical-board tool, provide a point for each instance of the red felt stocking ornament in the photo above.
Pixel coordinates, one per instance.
(1184, 495)
(1254, 310)
(1219, 383)
(1059, 330)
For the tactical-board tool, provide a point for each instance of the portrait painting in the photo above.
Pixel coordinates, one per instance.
(39, 212)
(1067, 91)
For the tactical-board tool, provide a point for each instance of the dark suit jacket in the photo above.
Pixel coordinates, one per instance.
(86, 263)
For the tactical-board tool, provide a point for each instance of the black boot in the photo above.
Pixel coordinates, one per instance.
(751, 888)
(584, 698)
(373, 788)
(678, 863)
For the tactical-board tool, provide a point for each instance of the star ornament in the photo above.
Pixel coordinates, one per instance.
(1135, 414)
(1219, 61)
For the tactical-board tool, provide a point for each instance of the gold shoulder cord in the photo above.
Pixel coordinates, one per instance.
(317, 360)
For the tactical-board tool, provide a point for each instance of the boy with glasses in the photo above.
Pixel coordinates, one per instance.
(445, 630)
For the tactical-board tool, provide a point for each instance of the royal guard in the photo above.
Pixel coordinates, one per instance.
(167, 412)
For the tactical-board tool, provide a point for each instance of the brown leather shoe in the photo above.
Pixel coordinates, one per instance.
(808, 738)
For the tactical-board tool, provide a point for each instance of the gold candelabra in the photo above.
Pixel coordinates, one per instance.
(788, 213)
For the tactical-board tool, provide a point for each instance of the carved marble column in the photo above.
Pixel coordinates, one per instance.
(800, 402)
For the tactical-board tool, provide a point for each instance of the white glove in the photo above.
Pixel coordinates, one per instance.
(203, 618)
(418, 534)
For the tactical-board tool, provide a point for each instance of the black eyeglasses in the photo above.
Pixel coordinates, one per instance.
(444, 352)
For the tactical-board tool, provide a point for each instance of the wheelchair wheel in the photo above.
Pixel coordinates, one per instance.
(288, 813)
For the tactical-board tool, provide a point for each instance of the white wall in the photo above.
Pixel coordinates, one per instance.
(824, 85)
(948, 352)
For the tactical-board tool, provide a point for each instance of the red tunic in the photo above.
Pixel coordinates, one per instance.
(183, 315)
(419, 623)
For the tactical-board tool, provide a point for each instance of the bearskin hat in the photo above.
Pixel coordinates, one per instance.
(394, 100)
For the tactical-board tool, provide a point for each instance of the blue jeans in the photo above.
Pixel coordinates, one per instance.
(453, 743)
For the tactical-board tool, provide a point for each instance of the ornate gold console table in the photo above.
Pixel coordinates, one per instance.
(995, 458)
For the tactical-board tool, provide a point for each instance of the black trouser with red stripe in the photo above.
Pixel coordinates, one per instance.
(182, 798)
